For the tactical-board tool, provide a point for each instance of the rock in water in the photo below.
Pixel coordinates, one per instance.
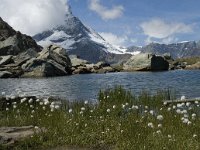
(146, 62)
(52, 61)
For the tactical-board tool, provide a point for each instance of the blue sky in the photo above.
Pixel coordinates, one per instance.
(143, 21)
(120, 22)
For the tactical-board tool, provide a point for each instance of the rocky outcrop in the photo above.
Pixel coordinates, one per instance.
(193, 67)
(13, 42)
(10, 135)
(52, 61)
(80, 66)
(146, 62)
(4, 60)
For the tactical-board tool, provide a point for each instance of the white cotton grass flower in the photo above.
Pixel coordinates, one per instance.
(186, 115)
(37, 100)
(44, 108)
(36, 127)
(108, 110)
(151, 112)
(169, 136)
(196, 102)
(30, 100)
(127, 104)
(188, 104)
(123, 106)
(70, 110)
(169, 109)
(114, 106)
(194, 135)
(178, 111)
(82, 108)
(86, 102)
(159, 125)
(160, 117)
(31, 106)
(41, 103)
(91, 111)
(189, 123)
(194, 115)
(3, 93)
(165, 103)
(33, 111)
(57, 107)
(14, 106)
(184, 111)
(158, 132)
(23, 100)
(183, 97)
(12, 97)
(7, 109)
(150, 125)
(135, 107)
(81, 112)
(46, 102)
(185, 120)
(174, 107)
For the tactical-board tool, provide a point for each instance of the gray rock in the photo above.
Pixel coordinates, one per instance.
(193, 67)
(102, 64)
(4, 60)
(5, 74)
(146, 62)
(13, 43)
(11, 135)
(106, 70)
(25, 56)
(76, 61)
(52, 61)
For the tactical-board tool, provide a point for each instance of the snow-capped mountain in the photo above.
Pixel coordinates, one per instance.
(176, 50)
(80, 40)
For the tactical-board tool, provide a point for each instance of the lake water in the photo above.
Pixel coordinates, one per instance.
(86, 87)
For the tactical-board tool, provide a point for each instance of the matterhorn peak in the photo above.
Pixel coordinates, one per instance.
(69, 10)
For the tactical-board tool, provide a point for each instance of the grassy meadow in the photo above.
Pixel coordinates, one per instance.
(119, 121)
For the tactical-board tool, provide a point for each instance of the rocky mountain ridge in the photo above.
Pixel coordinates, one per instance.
(176, 50)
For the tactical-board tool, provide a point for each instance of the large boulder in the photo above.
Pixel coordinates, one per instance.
(77, 61)
(11, 135)
(13, 42)
(146, 62)
(52, 61)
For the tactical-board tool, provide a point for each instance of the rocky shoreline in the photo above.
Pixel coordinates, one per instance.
(21, 57)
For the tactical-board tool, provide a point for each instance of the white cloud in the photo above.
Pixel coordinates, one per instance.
(33, 16)
(169, 40)
(104, 12)
(160, 29)
(114, 39)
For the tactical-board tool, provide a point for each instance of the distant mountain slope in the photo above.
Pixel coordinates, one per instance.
(80, 40)
(177, 50)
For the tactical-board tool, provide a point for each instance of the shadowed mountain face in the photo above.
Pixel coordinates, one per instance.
(80, 40)
(177, 50)
(13, 42)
